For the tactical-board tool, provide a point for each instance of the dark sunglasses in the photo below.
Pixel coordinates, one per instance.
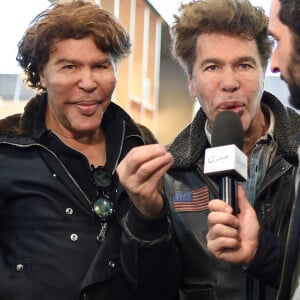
(103, 205)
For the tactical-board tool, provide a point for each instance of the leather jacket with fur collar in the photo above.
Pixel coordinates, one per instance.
(189, 190)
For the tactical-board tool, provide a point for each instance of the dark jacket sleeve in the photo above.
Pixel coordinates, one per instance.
(149, 256)
(267, 263)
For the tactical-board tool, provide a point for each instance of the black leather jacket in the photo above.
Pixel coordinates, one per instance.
(277, 260)
(48, 244)
(205, 277)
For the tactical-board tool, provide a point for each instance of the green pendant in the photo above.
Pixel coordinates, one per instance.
(103, 207)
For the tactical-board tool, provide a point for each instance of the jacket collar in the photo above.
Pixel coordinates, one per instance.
(122, 132)
(32, 121)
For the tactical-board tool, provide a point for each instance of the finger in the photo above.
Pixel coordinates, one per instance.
(154, 169)
(220, 230)
(230, 255)
(223, 248)
(219, 205)
(242, 199)
(137, 156)
(148, 174)
(226, 219)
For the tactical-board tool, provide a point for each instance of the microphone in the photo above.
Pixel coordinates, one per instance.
(225, 159)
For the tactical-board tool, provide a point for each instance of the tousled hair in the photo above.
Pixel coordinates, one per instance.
(232, 17)
(70, 20)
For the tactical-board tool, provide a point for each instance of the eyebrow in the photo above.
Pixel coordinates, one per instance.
(237, 60)
(247, 58)
(64, 60)
(210, 61)
(105, 60)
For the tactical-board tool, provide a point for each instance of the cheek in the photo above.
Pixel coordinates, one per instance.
(281, 59)
(206, 94)
(58, 84)
(108, 78)
(208, 108)
(107, 85)
(250, 113)
(205, 90)
(113, 82)
(284, 55)
(254, 88)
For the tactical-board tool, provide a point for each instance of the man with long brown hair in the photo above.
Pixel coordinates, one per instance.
(68, 229)
(224, 47)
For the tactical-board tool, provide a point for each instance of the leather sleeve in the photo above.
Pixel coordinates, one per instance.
(267, 262)
(149, 256)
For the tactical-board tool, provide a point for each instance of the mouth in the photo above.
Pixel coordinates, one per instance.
(234, 106)
(88, 107)
(88, 102)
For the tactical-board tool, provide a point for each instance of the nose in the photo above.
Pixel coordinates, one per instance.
(230, 80)
(87, 81)
(274, 62)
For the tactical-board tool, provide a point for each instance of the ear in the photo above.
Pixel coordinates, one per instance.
(192, 88)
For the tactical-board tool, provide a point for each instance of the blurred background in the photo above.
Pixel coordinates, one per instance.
(151, 86)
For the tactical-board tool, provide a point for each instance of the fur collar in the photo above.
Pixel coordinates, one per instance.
(21, 124)
(189, 146)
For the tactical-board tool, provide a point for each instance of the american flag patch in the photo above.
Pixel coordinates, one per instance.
(196, 200)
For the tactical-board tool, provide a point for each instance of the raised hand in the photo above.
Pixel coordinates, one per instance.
(140, 172)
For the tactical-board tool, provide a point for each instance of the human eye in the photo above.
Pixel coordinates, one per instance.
(103, 66)
(211, 68)
(69, 67)
(245, 66)
(275, 43)
(275, 40)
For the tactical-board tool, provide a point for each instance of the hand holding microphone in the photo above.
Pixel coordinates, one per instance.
(233, 234)
(233, 239)
(225, 159)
